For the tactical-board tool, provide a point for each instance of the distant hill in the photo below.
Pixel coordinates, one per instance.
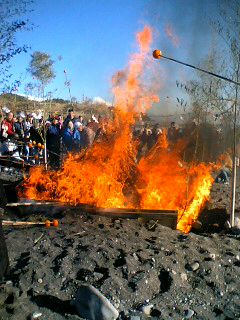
(17, 103)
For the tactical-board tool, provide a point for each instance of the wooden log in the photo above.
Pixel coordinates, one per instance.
(164, 217)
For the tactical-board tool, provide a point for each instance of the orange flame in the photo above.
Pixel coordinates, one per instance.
(108, 175)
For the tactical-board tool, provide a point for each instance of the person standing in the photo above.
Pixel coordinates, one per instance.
(53, 142)
(68, 136)
(70, 117)
(7, 127)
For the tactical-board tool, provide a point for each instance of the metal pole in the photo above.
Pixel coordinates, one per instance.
(157, 54)
(197, 68)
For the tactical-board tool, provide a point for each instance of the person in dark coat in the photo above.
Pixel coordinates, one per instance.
(19, 127)
(36, 133)
(68, 136)
(70, 117)
(53, 142)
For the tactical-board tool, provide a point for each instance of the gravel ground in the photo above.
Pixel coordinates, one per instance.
(133, 263)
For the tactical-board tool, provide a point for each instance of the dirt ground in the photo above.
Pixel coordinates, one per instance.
(133, 263)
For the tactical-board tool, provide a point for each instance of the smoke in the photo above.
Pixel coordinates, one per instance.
(183, 31)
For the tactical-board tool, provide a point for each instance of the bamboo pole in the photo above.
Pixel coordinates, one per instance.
(47, 223)
(234, 165)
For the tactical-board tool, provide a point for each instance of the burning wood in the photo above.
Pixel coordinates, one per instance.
(109, 176)
(165, 217)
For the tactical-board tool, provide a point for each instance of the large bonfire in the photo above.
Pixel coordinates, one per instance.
(107, 174)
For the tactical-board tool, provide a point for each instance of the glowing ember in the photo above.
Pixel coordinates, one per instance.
(108, 175)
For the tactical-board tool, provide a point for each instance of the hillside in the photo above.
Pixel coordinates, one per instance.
(17, 103)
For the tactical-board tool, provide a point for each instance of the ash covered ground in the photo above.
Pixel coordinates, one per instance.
(133, 263)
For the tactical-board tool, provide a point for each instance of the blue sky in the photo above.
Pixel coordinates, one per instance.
(96, 37)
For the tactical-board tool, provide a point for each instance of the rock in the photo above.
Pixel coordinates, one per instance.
(193, 266)
(92, 305)
(197, 225)
(183, 276)
(188, 313)
(36, 315)
(147, 309)
(237, 223)
(212, 256)
(97, 275)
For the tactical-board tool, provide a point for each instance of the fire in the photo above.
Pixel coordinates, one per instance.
(108, 175)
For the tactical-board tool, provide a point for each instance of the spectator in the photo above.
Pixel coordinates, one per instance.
(87, 136)
(51, 117)
(19, 127)
(60, 121)
(36, 133)
(81, 120)
(53, 139)
(68, 136)
(173, 132)
(70, 117)
(77, 138)
(28, 123)
(7, 127)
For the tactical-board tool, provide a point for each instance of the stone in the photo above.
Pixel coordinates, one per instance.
(91, 304)
(197, 225)
(212, 256)
(183, 276)
(193, 266)
(147, 309)
(188, 313)
(36, 315)
(237, 223)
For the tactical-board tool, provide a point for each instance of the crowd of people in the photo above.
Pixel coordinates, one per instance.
(45, 141)
(58, 135)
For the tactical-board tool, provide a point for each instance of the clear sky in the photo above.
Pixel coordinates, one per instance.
(96, 37)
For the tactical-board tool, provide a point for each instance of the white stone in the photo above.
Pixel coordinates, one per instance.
(36, 315)
(147, 309)
(212, 256)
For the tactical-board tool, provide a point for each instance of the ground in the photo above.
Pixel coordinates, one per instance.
(133, 263)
